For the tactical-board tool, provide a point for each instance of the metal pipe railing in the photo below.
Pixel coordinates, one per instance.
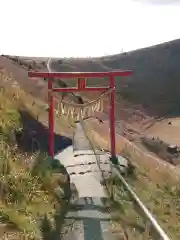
(150, 219)
(144, 209)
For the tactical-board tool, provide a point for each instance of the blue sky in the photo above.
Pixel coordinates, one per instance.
(81, 28)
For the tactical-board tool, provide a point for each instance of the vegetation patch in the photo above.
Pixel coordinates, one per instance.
(155, 185)
(34, 193)
(160, 194)
(163, 150)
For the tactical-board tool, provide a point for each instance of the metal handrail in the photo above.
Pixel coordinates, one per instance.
(144, 209)
(146, 212)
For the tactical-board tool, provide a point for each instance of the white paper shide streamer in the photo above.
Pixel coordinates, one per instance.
(76, 112)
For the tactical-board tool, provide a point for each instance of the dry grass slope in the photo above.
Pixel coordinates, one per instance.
(31, 189)
(156, 184)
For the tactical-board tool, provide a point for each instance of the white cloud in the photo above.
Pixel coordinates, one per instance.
(82, 27)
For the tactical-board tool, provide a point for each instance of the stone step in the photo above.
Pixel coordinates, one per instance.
(80, 141)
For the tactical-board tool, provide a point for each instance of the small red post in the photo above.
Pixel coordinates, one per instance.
(112, 116)
(51, 118)
(81, 83)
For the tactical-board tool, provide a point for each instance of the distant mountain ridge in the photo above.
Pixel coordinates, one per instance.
(155, 83)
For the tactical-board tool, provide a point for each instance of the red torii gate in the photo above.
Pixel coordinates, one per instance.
(81, 86)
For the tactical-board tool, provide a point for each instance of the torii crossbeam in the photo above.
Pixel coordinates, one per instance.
(81, 86)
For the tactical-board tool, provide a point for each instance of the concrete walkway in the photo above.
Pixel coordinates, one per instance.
(88, 220)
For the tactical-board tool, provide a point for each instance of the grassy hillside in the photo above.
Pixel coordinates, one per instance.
(157, 185)
(31, 189)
